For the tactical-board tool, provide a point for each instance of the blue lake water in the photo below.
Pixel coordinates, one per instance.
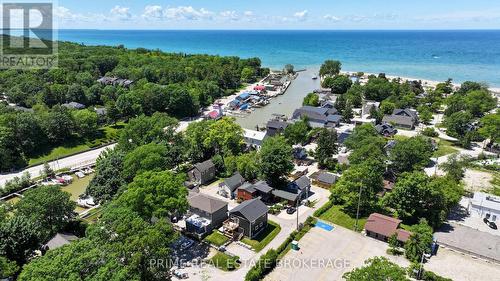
(435, 55)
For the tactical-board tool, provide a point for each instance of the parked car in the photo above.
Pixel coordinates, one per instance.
(180, 275)
(290, 210)
(492, 225)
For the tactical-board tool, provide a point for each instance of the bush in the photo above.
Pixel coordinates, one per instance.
(16, 184)
(430, 132)
(264, 265)
(323, 209)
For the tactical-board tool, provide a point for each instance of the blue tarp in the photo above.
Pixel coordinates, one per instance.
(323, 225)
(244, 106)
(243, 96)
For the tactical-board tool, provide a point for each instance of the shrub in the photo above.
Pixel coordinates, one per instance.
(430, 132)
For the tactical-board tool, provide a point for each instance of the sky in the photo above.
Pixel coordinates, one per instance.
(278, 14)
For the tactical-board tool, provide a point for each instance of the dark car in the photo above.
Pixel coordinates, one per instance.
(485, 220)
(492, 225)
(290, 210)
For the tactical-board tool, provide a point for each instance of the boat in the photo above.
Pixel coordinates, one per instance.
(314, 77)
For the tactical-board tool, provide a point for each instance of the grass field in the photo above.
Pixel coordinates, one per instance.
(105, 135)
(444, 148)
(337, 216)
(264, 237)
(216, 238)
(225, 262)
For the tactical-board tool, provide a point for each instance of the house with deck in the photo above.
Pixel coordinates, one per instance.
(205, 214)
(250, 218)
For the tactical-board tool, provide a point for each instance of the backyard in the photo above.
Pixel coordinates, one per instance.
(337, 216)
(263, 238)
(444, 148)
(216, 238)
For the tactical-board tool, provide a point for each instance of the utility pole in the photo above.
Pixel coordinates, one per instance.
(357, 212)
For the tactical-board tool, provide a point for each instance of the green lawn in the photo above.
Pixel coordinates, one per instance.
(225, 262)
(264, 237)
(444, 148)
(337, 216)
(105, 135)
(216, 238)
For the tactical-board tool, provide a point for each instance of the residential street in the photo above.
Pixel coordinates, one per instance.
(68, 162)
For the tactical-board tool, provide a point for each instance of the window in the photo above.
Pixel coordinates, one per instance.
(493, 218)
(487, 216)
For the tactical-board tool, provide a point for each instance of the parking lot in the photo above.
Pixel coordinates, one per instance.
(327, 255)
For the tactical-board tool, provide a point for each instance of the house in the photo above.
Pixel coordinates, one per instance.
(59, 240)
(228, 187)
(113, 81)
(342, 137)
(485, 206)
(74, 105)
(299, 152)
(403, 118)
(205, 214)
(318, 117)
(383, 227)
(246, 192)
(254, 139)
(386, 129)
(276, 126)
(324, 179)
(368, 106)
(251, 217)
(202, 173)
(243, 97)
(264, 191)
(283, 195)
(294, 192)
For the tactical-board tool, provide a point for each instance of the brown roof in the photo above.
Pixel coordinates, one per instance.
(403, 235)
(388, 185)
(381, 224)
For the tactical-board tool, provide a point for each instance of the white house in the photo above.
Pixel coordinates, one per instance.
(485, 205)
(254, 138)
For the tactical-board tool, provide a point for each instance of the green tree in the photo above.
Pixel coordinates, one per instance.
(7, 268)
(420, 241)
(413, 197)
(490, 127)
(58, 124)
(455, 167)
(297, 133)
(425, 114)
(19, 238)
(86, 122)
(289, 69)
(156, 194)
(347, 113)
(358, 184)
(225, 136)
(330, 68)
(194, 137)
(479, 102)
(377, 269)
(49, 206)
(248, 74)
(275, 160)
(246, 164)
(378, 89)
(327, 146)
(144, 129)
(149, 157)
(311, 99)
(457, 124)
(411, 154)
(339, 84)
(387, 107)
(108, 177)
(359, 134)
(354, 95)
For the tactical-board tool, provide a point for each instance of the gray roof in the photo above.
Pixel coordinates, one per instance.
(247, 187)
(343, 136)
(205, 202)
(277, 124)
(302, 182)
(327, 178)
(204, 166)
(334, 118)
(385, 127)
(398, 120)
(251, 209)
(285, 194)
(262, 186)
(311, 112)
(60, 239)
(234, 182)
(74, 105)
(406, 112)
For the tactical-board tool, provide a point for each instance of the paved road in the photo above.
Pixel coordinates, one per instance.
(68, 162)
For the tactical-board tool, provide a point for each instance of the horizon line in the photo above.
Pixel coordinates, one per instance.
(283, 29)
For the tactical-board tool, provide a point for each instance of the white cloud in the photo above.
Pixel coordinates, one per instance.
(121, 13)
(152, 12)
(248, 13)
(230, 15)
(187, 13)
(331, 18)
(301, 16)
